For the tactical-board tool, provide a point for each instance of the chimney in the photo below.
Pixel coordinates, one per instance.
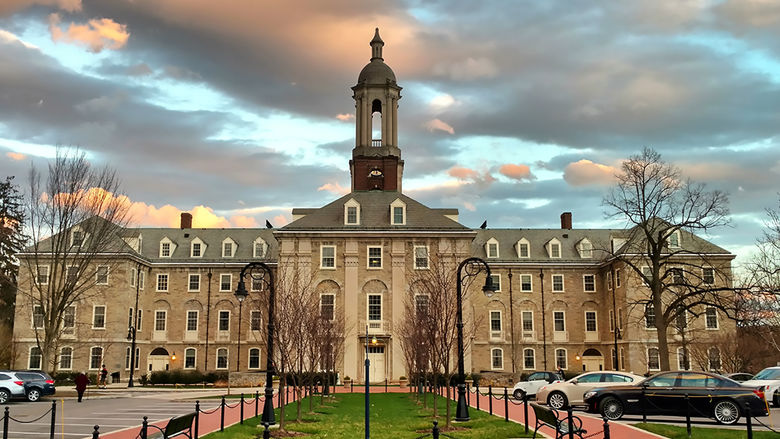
(186, 220)
(566, 220)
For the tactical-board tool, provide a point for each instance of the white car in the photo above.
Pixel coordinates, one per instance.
(769, 380)
(564, 393)
(533, 383)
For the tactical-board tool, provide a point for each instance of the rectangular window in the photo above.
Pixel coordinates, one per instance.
(195, 249)
(589, 283)
(495, 324)
(99, 317)
(708, 275)
(138, 320)
(611, 321)
(559, 321)
(529, 359)
(712, 317)
(101, 276)
(352, 215)
(609, 280)
(194, 283)
(647, 272)
(421, 304)
(528, 321)
(653, 359)
(677, 275)
(133, 274)
(259, 249)
(141, 278)
(225, 282)
(160, 320)
(66, 358)
(95, 358)
(374, 307)
(257, 283)
(497, 356)
(557, 281)
(420, 257)
(555, 250)
(617, 278)
(327, 303)
(492, 250)
(222, 358)
(524, 250)
(165, 249)
(328, 256)
(674, 240)
(227, 249)
(254, 358)
(620, 319)
(189, 358)
(162, 282)
(560, 359)
(43, 274)
(224, 321)
(495, 279)
(192, 321)
(77, 238)
(254, 320)
(69, 318)
(526, 284)
(37, 321)
(681, 322)
(130, 317)
(72, 274)
(649, 316)
(590, 321)
(398, 215)
(375, 257)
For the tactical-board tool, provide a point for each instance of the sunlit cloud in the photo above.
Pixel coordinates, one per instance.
(442, 102)
(97, 34)
(334, 188)
(471, 175)
(15, 156)
(586, 172)
(345, 117)
(516, 172)
(438, 125)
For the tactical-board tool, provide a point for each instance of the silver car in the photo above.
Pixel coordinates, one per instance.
(11, 386)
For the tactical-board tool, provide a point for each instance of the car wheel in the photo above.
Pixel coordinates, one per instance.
(557, 400)
(518, 394)
(611, 408)
(4, 396)
(33, 395)
(726, 412)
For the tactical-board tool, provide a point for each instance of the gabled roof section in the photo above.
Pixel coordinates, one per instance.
(375, 215)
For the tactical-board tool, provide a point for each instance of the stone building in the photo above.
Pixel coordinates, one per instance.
(562, 300)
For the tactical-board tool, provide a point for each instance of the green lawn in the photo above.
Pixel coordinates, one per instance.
(675, 432)
(393, 416)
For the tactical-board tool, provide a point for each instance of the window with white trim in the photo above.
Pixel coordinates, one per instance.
(222, 358)
(559, 321)
(647, 272)
(260, 248)
(495, 279)
(101, 275)
(528, 321)
(190, 358)
(421, 302)
(99, 317)
(523, 249)
(589, 283)
(713, 355)
(374, 257)
(166, 248)
(72, 274)
(374, 308)
(193, 284)
(42, 275)
(225, 282)
(653, 359)
(491, 248)
(37, 316)
(711, 317)
(421, 257)
(352, 217)
(617, 278)
(197, 248)
(138, 319)
(398, 212)
(141, 279)
(526, 283)
(160, 320)
(611, 321)
(590, 321)
(561, 359)
(255, 320)
(674, 239)
(557, 283)
(497, 358)
(69, 319)
(224, 321)
(609, 280)
(683, 359)
(192, 321)
(585, 248)
(327, 306)
(76, 238)
(351, 213)
(130, 314)
(66, 358)
(228, 248)
(162, 282)
(649, 315)
(495, 325)
(708, 275)
(328, 256)
(529, 359)
(553, 248)
(35, 358)
(254, 358)
(95, 357)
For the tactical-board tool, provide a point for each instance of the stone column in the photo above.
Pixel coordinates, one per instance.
(398, 255)
(351, 309)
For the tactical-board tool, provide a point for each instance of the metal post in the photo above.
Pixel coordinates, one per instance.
(642, 405)
(242, 408)
(96, 432)
(571, 424)
(53, 418)
(385, 385)
(197, 418)
(606, 428)
(145, 428)
(506, 405)
(5, 423)
(687, 415)
(257, 402)
(368, 363)
(351, 386)
(135, 325)
(525, 410)
(749, 422)
(468, 394)
(238, 358)
(266, 432)
(435, 430)
(490, 398)
(222, 416)
(476, 394)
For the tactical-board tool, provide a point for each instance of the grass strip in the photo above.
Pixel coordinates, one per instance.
(675, 432)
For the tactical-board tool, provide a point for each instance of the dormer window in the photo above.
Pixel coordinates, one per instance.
(229, 248)
(76, 238)
(674, 239)
(352, 212)
(523, 248)
(398, 212)
(491, 248)
(585, 248)
(554, 248)
(166, 248)
(197, 248)
(260, 248)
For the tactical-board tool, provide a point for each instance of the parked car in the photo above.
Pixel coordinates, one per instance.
(36, 384)
(769, 381)
(11, 386)
(561, 394)
(664, 394)
(533, 382)
(740, 377)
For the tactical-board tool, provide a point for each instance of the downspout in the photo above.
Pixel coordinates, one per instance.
(208, 318)
(544, 326)
(616, 358)
(512, 320)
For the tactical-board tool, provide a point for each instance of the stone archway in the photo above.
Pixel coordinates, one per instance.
(592, 359)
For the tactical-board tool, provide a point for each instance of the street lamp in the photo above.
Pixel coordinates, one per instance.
(132, 329)
(240, 296)
(473, 267)
(368, 363)
(257, 272)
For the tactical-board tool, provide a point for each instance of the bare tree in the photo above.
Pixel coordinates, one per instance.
(658, 205)
(75, 221)
(414, 337)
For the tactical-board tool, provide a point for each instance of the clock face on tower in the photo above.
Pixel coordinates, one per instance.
(376, 172)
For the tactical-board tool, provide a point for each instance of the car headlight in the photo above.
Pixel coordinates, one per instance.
(588, 394)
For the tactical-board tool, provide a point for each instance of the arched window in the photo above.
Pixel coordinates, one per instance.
(376, 123)
(529, 359)
(497, 358)
(95, 357)
(66, 358)
(222, 358)
(254, 358)
(35, 358)
(190, 357)
(653, 359)
(561, 359)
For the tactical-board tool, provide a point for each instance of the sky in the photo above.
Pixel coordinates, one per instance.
(512, 112)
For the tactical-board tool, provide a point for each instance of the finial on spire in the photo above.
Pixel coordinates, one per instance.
(376, 46)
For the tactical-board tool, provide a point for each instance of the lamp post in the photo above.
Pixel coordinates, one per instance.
(240, 298)
(368, 364)
(132, 329)
(474, 267)
(259, 271)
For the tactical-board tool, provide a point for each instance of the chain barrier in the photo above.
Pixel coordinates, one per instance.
(29, 422)
(228, 406)
(208, 412)
(592, 434)
(768, 427)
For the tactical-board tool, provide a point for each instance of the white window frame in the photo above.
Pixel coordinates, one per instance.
(30, 357)
(230, 285)
(260, 319)
(609, 280)
(187, 321)
(612, 320)
(427, 257)
(138, 319)
(105, 316)
(496, 279)
(249, 358)
(402, 205)
(333, 311)
(709, 359)
(202, 245)
(490, 242)
(69, 329)
(563, 283)
(133, 274)
(533, 357)
(492, 363)
(646, 325)
(73, 242)
(564, 320)
(167, 283)
(233, 247)
(622, 359)
(704, 275)
(680, 366)
(618, 282)
(195, 358)
(97, 275)
(263, 245)
(493, 334)
(531, 277)
(219, 320)
(171, 248)
(549, 246)
(33, 324)
(322, 256)
(658, 354)
(679, 240)
(522, 320)
(189, 282)
(38, 274)
(585, 248)
(351, 203)
(141, 279)
(59, 358)
(368, 257)
(68, 275)
(227, 359)
(707, 319)
(565, 358)
(165, 320)
(381, 308)
(595, 321)
(102, 356)
(648, 273)
(521, 242)
(584, 283)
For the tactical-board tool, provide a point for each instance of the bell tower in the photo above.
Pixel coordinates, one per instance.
(376, 159)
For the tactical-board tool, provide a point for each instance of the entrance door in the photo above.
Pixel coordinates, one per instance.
(158, 360)
(376, 355)
(592, 360)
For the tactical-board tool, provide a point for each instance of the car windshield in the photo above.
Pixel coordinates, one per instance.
(768, 374)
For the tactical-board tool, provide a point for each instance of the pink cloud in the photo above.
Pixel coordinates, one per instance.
(471, 176)
(15, 156)
(586, 172)
(8, 6)
(97, 34)
(517, 172)
(438, 125)
(333, 188)
(345, 117)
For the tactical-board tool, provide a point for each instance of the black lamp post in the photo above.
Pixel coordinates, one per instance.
(473, 267)
(240, 298)
(259, 271)
(368, 364)
(132, 329)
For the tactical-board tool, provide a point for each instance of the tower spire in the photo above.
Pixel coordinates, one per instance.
(376, 46)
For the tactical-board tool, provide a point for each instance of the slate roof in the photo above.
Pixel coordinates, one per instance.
(212, 238)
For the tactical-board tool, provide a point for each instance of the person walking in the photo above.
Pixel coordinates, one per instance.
(560, 373)
(81, 384)
(104, 376)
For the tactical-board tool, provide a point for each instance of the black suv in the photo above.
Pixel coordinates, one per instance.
(36, 384)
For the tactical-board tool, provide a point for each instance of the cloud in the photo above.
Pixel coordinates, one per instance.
(438, 125)
(517, 172)
(10, 6)
(468, 69)
(15, 156)
(97, 34)
(586, 172)
(334, 188)
(345, 117)
(751, 13)
(472, 176)
(442, 102)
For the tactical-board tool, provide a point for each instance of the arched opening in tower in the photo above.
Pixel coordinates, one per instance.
(376, 123)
